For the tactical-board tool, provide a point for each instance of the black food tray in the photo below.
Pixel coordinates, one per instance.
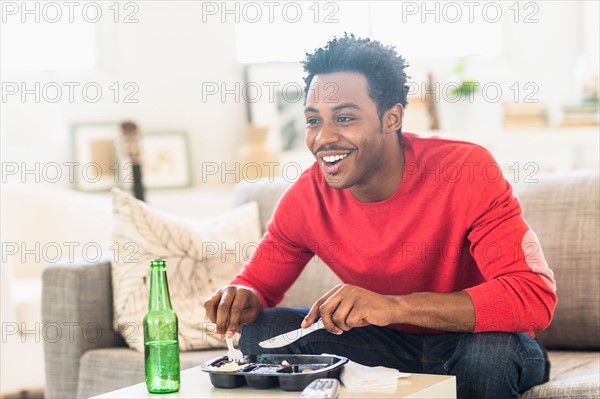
(266, 371)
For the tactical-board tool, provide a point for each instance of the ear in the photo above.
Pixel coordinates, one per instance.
(392, 119)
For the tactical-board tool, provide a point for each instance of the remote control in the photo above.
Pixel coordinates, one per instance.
(322, 388)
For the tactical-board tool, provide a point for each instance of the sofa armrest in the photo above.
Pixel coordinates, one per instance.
(77, 315)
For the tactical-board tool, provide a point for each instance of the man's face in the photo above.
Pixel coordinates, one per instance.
(343, 129)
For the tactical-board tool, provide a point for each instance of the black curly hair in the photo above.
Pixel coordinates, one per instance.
(382, 67)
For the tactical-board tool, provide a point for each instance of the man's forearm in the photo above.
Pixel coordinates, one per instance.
(441, 311)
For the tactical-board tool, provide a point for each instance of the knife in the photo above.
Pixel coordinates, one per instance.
(290, 336)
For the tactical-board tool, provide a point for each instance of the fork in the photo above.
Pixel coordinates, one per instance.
(234, 355)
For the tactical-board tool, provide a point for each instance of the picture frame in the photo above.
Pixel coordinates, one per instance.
(165, 160)
(96, 164)
(277, 103)
(290, 119)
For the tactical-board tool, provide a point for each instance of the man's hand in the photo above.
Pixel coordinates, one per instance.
(347, 306)
(231, 306)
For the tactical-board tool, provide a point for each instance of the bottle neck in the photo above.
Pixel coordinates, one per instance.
(159, 289)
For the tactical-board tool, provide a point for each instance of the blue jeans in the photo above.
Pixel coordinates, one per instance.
(486, 365)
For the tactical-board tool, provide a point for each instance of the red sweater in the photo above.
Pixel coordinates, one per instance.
(453, 224)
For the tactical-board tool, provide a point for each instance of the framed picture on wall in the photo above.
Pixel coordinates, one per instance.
(290, 118)
(276, 102)
(165, 159)
(96, 166)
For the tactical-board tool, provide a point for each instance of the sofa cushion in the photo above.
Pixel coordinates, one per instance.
(572, 375)
(564, 211)
(202, 256)
(104, 370)
(265, 192)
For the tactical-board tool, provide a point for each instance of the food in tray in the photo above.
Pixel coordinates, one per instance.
(229, 367)
(307, 370)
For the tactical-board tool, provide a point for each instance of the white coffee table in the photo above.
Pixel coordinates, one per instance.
(195, 383)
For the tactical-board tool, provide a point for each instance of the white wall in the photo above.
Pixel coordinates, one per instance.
(169, 53)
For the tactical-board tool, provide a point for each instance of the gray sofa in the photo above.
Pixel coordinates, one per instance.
(88, 358)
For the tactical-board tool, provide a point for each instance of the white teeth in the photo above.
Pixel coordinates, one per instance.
(333, 158)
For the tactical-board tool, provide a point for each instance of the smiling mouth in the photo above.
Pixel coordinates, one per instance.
(332, 164)
(334, 159)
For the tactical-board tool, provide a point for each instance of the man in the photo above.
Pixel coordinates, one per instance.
(441, 273)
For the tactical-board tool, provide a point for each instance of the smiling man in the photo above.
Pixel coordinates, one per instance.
(441, 273)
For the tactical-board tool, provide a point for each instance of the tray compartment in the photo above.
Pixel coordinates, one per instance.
(222, 380)
(301, 368)
(258, 381)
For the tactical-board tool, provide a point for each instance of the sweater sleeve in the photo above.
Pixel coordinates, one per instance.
(280, 256)
(519, 293)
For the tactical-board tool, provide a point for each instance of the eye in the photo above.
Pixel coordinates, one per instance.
(345, 119)
(311, 121)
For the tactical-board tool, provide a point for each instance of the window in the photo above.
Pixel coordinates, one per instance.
(417, 29)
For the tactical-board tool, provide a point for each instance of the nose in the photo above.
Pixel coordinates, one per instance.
(327, 134)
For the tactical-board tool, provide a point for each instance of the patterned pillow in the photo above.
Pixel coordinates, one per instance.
(202, 255)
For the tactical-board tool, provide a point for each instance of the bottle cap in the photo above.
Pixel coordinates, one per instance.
(158, 263)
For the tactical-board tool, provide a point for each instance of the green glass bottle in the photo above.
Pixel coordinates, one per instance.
(161, 344)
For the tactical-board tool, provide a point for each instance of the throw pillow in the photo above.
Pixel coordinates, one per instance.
(201, 255)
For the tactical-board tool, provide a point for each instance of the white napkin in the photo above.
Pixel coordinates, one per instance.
(357, 376)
